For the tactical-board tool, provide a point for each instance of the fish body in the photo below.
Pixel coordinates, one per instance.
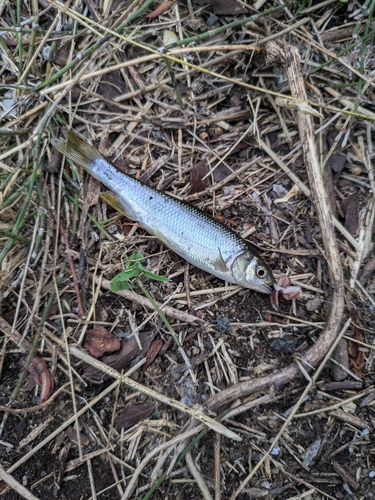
(189, 232)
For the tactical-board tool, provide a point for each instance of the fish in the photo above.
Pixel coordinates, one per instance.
(190, 232)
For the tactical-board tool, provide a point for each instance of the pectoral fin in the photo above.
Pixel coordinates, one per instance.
(115, 203)
(221, 265)
(160, 236)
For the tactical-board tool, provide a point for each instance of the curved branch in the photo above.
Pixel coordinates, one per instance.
(287, 56)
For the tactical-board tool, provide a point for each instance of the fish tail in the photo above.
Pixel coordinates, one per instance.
(78, 150)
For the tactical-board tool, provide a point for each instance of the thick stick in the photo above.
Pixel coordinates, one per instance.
(288, 57)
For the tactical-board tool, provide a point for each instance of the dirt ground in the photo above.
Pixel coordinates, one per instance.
(262, 115)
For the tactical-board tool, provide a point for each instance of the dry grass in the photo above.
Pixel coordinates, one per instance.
(277, 112)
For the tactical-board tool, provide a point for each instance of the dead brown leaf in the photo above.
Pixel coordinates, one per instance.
(314, 405)
(128, 352)
(340, 354)
(221, 172)
(198, 182)
(60, 56)
(223, 7)
(111, 86)
(163, 7)
(356, 357)
(367, 271)
(350, 207)
(99, 341)
(151, 354)
(122, 164)
(55, 163)
(132, 415)
(72, 434)
(337, 162)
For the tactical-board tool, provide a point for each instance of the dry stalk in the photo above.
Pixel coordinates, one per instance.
(217, 461)
(69, 258)
(172, 442)
(135, 297)
(197, 476)
(288, 57)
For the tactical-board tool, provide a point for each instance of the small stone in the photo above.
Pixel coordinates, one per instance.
(356, 171)
(349, 407)
(212, 20)
(175, 373)
(223, 325)
(47, 53)
(313, 304)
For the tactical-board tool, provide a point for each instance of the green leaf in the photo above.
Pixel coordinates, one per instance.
(122, 285)
(132, 269)
(153, 276)
(126, 275)
(121, 281)
(136, 256)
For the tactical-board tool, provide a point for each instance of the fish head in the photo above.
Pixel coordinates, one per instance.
(250, 271)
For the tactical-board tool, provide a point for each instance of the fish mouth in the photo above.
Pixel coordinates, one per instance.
(263, 288)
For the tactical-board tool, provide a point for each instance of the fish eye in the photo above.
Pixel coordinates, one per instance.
(261, 272)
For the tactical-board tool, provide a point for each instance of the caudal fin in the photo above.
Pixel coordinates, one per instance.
(78, 150)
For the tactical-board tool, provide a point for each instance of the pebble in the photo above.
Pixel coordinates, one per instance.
(313, 304)
(212, 20)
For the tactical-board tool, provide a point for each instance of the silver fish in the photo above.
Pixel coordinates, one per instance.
(189, 232)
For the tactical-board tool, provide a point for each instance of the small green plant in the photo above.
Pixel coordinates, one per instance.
(133, 268)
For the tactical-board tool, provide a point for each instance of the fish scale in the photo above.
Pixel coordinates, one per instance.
(191, 233)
